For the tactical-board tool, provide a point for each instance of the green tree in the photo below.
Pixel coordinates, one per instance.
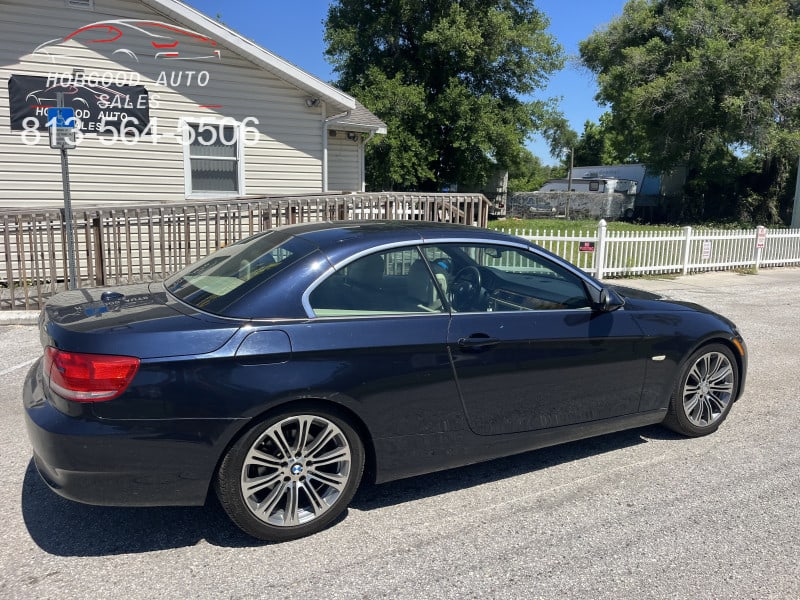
(561, 138)
(448, 78)
(601, 144)
(689, 81)
(527, 173)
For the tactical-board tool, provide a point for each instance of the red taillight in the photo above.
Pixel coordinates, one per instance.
(88, 377)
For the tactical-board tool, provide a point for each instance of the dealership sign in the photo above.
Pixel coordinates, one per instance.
(100, 107)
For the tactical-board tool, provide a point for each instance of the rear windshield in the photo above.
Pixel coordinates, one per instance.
(223, 277)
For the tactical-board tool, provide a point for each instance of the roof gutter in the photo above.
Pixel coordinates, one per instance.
(251, 51)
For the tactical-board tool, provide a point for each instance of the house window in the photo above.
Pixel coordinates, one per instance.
(213, 159)
(594, 186)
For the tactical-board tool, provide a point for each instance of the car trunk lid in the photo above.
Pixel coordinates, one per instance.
(139, 320)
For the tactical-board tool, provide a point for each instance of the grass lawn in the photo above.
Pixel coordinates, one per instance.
(634, 247)
(628, 254)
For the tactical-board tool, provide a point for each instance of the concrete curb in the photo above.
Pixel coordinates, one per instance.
(19, 317)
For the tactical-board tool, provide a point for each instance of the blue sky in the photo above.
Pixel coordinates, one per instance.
(294, 31)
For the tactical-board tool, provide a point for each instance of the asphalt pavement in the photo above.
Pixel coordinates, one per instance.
(638, 514)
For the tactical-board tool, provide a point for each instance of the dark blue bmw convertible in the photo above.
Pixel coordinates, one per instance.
(278, 370)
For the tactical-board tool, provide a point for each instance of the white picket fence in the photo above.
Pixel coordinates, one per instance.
(606, 253)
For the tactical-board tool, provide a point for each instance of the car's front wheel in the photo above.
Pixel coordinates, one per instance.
(704, 392)
(291, 475)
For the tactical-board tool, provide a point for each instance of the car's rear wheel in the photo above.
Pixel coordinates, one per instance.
(291, 475)
(704, 392)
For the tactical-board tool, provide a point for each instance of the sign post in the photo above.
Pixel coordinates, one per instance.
(61, 121)
(761, 243)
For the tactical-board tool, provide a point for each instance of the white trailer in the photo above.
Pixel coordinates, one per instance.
(599, 185)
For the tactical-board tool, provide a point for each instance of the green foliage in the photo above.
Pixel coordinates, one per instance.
(527, 174)
(601, 144)
(690, 80)
(404, 157)
(559, 135)
(447, 78)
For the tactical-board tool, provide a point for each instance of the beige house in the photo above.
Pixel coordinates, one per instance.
(170, 106)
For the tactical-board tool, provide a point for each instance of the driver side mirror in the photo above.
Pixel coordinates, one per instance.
(608, 301)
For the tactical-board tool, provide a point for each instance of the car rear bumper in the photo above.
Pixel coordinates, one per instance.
(122, 463)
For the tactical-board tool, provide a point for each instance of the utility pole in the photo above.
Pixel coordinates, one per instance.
(571, 165)
(569, 178)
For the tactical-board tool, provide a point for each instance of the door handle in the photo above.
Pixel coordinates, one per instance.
(476, 341)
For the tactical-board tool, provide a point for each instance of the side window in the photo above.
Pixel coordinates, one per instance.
(392, 282)
(223, 277)
(496, 278)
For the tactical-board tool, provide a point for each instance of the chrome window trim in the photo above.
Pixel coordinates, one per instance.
(418, 244)
(305, 300)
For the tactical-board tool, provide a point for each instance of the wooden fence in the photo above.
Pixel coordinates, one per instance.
(148, 243)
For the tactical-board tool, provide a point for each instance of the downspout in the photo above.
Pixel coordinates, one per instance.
(325, 123)
(363, 174)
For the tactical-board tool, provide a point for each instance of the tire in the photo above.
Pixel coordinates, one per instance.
(704, 392)
(291, 475)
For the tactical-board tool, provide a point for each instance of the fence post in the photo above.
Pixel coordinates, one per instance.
(687, 246)
(600, 252)
(99, 251)
(761, 237)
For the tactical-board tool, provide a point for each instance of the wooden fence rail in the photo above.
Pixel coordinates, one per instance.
(147, 243)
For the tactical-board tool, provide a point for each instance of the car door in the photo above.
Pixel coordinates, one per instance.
(379, 338)
(528, 349)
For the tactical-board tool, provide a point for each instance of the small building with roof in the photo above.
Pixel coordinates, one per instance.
(170, 105)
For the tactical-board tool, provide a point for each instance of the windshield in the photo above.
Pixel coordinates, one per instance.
(223, 277)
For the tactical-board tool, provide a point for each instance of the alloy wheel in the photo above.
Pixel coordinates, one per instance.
(296, 470)
(708, 389)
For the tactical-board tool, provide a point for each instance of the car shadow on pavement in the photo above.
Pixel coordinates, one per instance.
(370, 497)
(65, 528)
